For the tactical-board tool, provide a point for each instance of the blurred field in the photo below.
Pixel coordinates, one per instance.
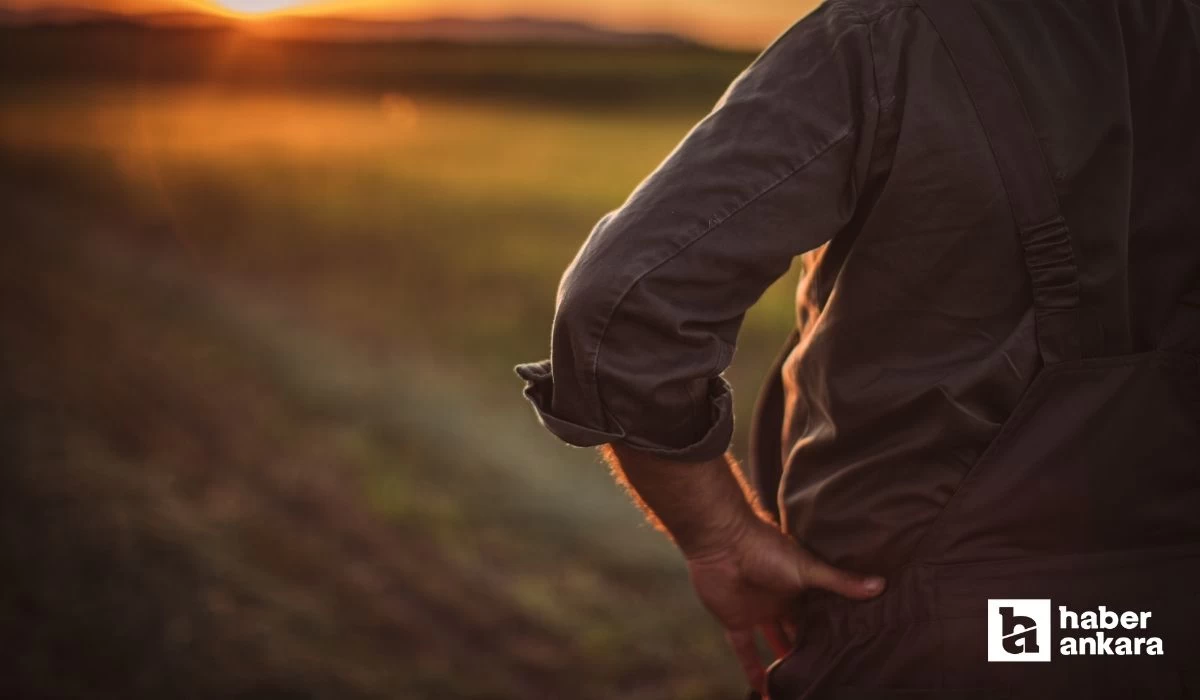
(258, 329)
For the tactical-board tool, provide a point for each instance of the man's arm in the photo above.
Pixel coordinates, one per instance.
(745, 570)
(648, 313)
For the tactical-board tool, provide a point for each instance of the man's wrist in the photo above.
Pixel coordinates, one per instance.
(703, 506)
(721, 534)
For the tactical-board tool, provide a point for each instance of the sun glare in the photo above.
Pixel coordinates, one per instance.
(258, 7)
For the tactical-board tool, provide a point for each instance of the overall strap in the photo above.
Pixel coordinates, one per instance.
(1026, 177)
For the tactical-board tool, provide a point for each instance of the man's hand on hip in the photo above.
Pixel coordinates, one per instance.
(745, 570)
(753, 583)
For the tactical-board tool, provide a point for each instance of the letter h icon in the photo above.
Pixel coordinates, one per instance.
(1019, 630)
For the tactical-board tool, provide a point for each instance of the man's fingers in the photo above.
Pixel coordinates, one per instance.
(746, 651)
(818, 574)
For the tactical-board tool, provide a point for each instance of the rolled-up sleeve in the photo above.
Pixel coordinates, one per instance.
(649, 311)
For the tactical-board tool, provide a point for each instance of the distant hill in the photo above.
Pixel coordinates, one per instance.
(513, 29)
(516, 58)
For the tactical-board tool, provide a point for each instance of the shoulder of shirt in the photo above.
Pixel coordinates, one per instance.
(865, 11)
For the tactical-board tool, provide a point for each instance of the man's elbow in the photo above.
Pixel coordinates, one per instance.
(585, 305)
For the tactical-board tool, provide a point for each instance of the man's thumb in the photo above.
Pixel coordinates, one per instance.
(817, 574)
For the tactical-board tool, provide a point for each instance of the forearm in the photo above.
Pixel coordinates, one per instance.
(702, 506)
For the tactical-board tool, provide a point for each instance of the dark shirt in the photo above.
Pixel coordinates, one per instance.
(852, 139)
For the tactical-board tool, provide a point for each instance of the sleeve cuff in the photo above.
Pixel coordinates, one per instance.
(539, 390)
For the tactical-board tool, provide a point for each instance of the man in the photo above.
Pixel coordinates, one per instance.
(993, 391)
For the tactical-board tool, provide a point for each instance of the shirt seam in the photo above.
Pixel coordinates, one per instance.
(713, 225)
(875, 81)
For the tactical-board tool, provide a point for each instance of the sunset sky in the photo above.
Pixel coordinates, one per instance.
(747, 23)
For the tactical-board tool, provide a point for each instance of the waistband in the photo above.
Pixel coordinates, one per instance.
(927, 592)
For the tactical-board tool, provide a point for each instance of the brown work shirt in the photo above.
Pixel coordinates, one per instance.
(853, 138)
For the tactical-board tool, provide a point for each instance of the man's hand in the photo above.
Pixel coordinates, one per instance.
(752, 584)
(745, 570)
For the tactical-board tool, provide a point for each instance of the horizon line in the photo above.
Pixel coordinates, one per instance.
(46, 15)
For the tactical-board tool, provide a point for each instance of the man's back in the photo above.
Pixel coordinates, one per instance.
(916, 324)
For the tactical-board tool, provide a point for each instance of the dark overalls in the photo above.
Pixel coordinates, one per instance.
(1089, 496)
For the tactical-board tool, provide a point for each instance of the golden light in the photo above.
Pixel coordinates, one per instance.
(258, 7)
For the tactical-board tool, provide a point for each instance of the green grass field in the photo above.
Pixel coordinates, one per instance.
(258, 339)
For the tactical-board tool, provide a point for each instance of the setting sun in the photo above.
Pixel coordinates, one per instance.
(257, 7)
